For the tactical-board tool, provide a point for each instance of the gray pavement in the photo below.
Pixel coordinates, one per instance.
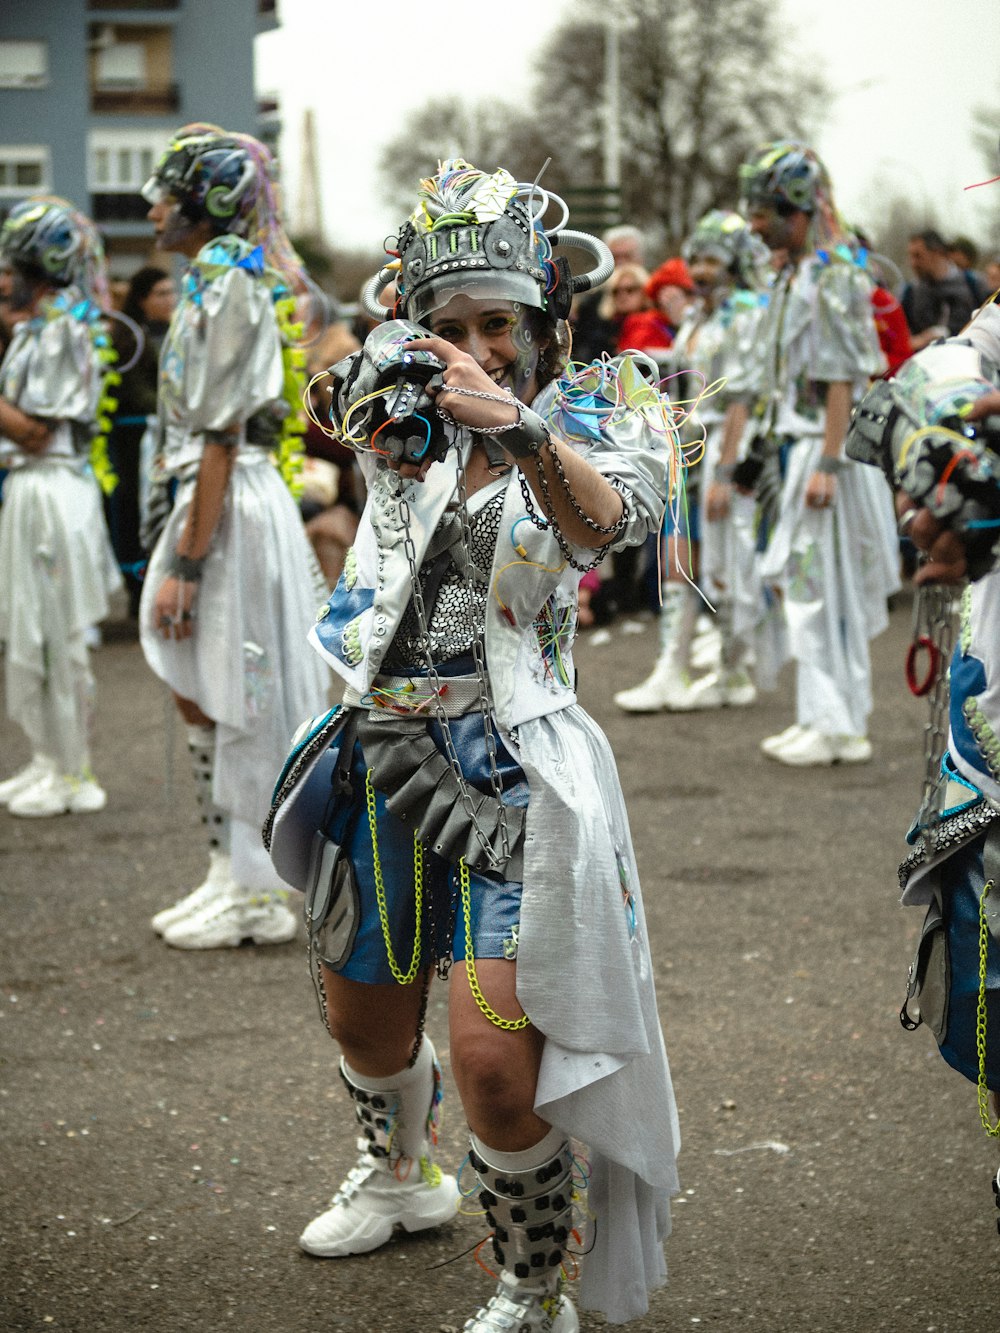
(169, 1121)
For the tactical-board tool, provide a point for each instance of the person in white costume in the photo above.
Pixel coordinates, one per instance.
(57, 570)
(710, 543)
(461, 808)
(232, 585)
(831, 553)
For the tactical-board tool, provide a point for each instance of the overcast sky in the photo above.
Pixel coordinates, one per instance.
(906, 76)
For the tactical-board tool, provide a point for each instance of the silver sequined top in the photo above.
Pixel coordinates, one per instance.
(460, 605)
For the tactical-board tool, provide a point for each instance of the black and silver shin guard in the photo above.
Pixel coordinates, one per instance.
(201, 746)
(398, 1115)
(528, 1197)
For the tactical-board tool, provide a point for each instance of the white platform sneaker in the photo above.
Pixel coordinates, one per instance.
(812, 749)
(237, 915)
(41, 766)
(58, 794)
(668, 689)
(214, 885)
(373, 1201)
(395, 1182)
(515, 1308)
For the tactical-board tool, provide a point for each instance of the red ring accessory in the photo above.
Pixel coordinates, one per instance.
(923, 643)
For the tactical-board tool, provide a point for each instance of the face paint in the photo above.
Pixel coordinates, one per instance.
(526, 349)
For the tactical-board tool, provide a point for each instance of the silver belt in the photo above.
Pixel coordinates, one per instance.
(392, 697)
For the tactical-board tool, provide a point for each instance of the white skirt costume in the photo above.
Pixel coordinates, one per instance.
(57, 569)
(723, 343)
(835, 567)
(243, 666)
(584, 973)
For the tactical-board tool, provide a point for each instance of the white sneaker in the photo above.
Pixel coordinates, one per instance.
(215, 884)
(667, 688)
(810, 749)
(731, 689)
(59, 795)
(517, 1309)
(228, 920)
(773, 744)
(852, 749)
(41, 766)
(373, 1200)
(737, 687)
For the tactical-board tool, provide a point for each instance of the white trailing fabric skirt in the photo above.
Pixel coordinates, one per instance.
(835, 568)
(57, 573)
(604, 1077)
(247, 665)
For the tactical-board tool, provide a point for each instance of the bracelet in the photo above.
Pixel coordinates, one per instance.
(831, 466)
(527, 436)
(498, 430)
(186, 568)
(478, 393)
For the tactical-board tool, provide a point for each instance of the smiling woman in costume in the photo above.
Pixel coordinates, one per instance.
(460, 810)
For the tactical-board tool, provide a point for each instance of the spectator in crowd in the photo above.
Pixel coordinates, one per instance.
(670, 291)
(596, 322)
(991, 274)
(964, 255)
(941, 298)
(148, 304)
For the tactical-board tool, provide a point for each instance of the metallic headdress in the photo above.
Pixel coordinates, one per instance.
(727, 237)
(48, 236)
(786, 176)
(212, 175)
(483, 235)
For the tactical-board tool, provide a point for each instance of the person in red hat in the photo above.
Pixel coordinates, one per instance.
(652, 331)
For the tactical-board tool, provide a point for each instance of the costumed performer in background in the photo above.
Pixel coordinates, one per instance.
(232, 583)
(57, 569)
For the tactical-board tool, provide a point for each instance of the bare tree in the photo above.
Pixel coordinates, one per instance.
(701, 85)
(489, 134)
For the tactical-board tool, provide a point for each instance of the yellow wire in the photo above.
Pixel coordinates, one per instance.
(944, 431)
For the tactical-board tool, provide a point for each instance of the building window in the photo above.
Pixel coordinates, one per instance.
(24, 169)
(121, 65)
(122, 160)
(24, 64)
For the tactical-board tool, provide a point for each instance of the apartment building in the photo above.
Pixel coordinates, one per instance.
(90, 91)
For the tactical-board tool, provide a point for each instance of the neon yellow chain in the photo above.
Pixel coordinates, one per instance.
(404, 979)
(508, 1024)
(982, 1090)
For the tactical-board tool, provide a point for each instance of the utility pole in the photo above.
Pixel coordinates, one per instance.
(309, 220)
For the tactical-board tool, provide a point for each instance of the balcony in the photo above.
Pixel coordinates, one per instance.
(130, 207)
(151, 5)
(158, 101)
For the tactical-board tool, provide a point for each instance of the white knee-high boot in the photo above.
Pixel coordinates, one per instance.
(395, 1181)
(528, 1198)
(201, 747)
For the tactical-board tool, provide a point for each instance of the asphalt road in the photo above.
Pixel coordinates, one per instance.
(169, 1121)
